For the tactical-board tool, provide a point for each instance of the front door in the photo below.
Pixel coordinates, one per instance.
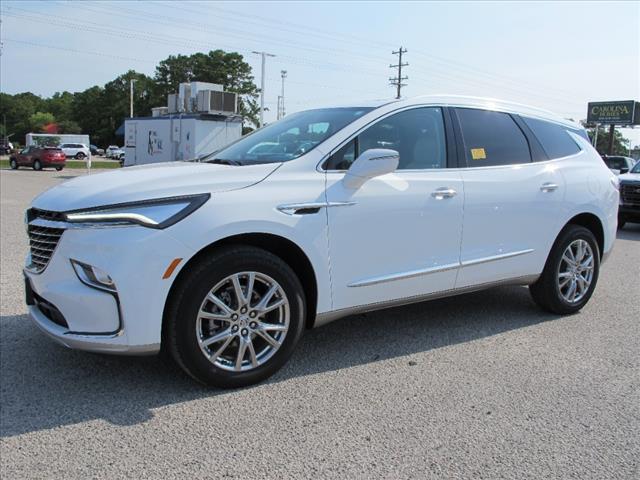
(397, 236)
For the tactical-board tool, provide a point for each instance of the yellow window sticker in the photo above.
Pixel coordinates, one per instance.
(478, 154)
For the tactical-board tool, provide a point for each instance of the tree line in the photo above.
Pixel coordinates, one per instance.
(99, 110)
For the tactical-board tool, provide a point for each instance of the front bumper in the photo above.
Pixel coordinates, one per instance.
(128, 321)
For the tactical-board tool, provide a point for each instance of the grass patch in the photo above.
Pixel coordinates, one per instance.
(75, 164)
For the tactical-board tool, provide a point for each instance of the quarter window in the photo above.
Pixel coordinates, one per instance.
(492, 138)
(418, 135)
(554, 138)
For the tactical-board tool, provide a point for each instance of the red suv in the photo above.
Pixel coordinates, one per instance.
(38, 158)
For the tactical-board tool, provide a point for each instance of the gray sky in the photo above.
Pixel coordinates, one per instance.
(552, 55)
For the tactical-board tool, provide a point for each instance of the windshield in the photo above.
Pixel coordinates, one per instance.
(289, 138)
(636, 168)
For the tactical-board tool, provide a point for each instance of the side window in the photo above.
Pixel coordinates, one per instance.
(492, 138)
(554, 138)
(417, 134)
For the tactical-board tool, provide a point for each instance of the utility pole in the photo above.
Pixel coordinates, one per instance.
(131, 82)
(283, 75)
(263, 55)
(397, 81)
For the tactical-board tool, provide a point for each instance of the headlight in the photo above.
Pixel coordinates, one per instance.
(159, 213)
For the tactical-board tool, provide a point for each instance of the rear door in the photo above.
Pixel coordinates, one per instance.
(510, 198)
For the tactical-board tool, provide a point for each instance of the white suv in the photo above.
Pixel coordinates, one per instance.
(224, 263)
(78, 151)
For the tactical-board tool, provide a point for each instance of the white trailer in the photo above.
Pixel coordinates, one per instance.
(55, 139)
(177, 137)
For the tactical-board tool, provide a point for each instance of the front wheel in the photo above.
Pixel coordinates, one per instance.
(37, 165)
(58, 169)
(13, 164)
(236, 317)
(570, 274)
(80, 156)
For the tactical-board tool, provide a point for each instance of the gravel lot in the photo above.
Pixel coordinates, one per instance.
(480, 386)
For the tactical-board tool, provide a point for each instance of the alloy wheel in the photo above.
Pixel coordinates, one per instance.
(575, 272)
(243, 321)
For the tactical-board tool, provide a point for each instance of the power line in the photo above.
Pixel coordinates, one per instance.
(397, 81)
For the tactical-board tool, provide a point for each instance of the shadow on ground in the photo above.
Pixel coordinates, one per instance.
(631, 231)
(45, 385)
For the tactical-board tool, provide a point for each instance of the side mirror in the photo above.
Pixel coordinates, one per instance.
(624, 170)
(371, 163)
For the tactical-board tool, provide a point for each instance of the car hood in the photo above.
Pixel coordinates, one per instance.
(632, 177)
(147, 182)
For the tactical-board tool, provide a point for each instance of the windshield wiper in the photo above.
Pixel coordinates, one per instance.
(223, 161)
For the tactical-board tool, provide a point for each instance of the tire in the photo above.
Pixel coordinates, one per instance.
(185, 328)
(13, 164)
(547, 291)
(37, 165)
(80, 156)
(58, 169)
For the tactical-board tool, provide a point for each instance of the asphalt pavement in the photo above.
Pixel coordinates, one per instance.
(483, 385)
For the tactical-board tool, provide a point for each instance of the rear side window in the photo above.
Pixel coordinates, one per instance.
(492, 138)
(554, 138)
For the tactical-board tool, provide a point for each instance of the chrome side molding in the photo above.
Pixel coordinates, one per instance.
(298, 208)
(435, 269)
(403, 275)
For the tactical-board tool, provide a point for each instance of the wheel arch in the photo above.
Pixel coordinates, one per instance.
(287, 250)
(591, 222)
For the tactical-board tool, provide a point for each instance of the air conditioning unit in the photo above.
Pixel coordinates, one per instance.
(159, 111)
(224, 103)
(173, 102)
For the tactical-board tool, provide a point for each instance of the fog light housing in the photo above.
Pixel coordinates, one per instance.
(93, 276)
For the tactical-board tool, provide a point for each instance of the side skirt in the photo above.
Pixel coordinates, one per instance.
(327, 317)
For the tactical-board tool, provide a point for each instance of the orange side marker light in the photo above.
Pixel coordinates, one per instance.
(172, 266)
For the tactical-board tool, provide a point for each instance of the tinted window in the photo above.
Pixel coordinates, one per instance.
(418, 135)
(492, 138)
(554, 138)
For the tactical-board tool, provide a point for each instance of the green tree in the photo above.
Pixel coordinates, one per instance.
(61, 105)
(69, 126)
(620, 144)
(17, 109)
(38, 120)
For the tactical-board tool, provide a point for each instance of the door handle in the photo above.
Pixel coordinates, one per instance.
(443, 192)
(548, 187)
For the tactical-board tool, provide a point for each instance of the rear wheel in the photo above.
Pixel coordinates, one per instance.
(80, 156)
(37, 165)
(236, 317)
(570, 274)
(59, 168)
(13, 164)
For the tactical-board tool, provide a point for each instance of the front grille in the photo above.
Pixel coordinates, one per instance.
(630, 193)
(43, 240)
(46, 215)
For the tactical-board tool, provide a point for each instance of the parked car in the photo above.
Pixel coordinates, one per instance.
(5, 148)
(224, 263)
(629, 210)
(112, 150)
(38, 158)
(95, 150)
(618, 164)
(79, 151)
